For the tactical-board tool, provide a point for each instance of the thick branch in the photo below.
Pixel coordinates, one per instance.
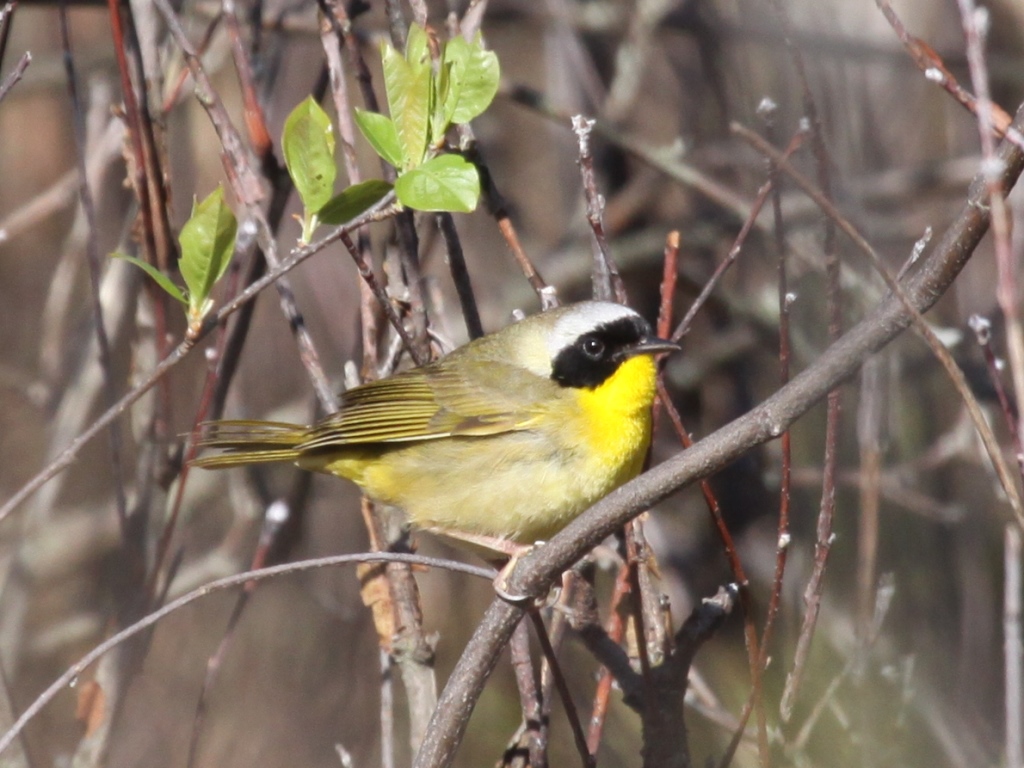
(768, 420)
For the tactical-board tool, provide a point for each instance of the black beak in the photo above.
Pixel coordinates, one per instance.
(653, 346)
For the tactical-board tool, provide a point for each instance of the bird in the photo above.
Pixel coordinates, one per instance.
(497, 445)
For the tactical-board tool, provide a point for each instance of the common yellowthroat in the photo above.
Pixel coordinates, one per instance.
(500, 443)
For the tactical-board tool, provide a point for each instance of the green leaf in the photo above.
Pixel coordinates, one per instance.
(207, 243)
(407, 80)
(380, 131)
(308, 143)
(161, 279)
(443, 183)
(353, 201)
(440, 117)
(474, 76)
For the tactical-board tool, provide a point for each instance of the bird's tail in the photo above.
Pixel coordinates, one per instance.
(249, 442)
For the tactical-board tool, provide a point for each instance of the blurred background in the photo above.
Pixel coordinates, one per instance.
(303, 671)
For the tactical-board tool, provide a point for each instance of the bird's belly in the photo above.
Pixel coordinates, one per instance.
(519, 486)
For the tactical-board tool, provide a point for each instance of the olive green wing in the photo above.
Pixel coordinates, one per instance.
(249, 442)
(433, 402)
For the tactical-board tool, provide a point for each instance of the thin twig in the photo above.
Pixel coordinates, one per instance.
(755, 210)
(529, 697)
(556, 632)
(669, 277)
(239, 168)
(95, 272)
(615, 631)
(870, 415)
(935, 71)
(937, 348)
(273, 522)
(498, 208)
(881, 605)
(578, 736)
(785, 300)
(148, 182)
(333, 39)
(228, 582)
(1012, 648)
(636, 607)
(380, 294)
(174, 91)
(255, 120)
(976, 22)
(607, 282)
(460, 275)
(982, 328)
(15, 74)
(830, 459)
(6, 16)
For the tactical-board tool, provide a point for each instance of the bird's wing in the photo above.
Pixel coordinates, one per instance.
(433, 402)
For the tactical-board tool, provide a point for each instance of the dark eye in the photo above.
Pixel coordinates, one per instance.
(593, 348)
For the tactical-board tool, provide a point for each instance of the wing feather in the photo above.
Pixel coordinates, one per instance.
(427, 404)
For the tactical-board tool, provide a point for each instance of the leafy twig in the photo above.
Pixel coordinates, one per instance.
(381, 210)
(247, 188)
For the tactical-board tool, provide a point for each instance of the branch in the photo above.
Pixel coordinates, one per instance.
(841, 360)
(19, 69)
(239, 579)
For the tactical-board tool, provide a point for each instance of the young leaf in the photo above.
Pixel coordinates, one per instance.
(475, 74)
(207, 242)
(308, 143)
(407, 80)
(443, 183)
(444, 94)
(380, 131)
(353, 201)
(161, 279)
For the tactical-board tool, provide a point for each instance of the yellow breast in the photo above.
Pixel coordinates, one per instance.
(616, 419)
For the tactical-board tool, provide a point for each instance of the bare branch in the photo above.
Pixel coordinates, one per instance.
(766, 421)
